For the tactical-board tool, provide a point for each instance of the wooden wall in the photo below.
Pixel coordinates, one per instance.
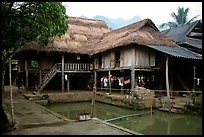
(138, 56)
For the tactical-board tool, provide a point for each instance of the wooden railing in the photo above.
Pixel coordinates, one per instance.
(75, 67)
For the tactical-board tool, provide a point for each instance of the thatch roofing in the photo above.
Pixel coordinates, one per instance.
(87, 36)
(142, 33)
(81, 32)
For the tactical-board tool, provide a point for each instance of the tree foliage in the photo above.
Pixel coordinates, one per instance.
(24, 22)
(181, 18)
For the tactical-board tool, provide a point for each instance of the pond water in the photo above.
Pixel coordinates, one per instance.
(161, 123)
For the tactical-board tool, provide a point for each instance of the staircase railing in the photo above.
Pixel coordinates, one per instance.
(58, 68)
(47, 78)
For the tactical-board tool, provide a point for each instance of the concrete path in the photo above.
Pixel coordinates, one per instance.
(33, 119)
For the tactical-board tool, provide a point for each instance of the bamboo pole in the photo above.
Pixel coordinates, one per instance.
(11, 92)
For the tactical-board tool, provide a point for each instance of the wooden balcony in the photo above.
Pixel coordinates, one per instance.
(75, 67)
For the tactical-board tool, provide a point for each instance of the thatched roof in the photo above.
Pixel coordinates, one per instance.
(87, 36)
(142, 33)
(81, 32)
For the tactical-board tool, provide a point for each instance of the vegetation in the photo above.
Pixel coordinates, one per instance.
(24, 22)
(29, 21)
(196, 104)
(180, 18)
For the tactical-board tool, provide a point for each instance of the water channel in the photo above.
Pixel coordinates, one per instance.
(161, 123)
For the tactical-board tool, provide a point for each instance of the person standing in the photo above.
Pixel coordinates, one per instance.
(18, 81)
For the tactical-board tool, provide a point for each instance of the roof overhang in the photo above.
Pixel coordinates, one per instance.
(177, 51)
(196, 43)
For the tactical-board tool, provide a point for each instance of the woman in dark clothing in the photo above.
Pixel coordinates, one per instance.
(18, 81)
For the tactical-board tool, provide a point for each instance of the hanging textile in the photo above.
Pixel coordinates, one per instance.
(112, 78)
(65, 77)
(127, 81)
(105, 82)
(101, 81)
(120, 79)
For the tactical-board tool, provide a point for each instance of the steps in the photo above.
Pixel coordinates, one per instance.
(46, 79)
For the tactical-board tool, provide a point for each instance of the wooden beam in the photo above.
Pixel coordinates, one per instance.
(95, 79)
(193, 34)
(132, 78)
(68, 83)
(167, 83)
(133, 69)
(167, 77)
(26, 70)
(194, 78)
(62, 72)
(40, 71)
(109, 78)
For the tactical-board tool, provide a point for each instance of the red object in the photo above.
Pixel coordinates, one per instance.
(127, 81)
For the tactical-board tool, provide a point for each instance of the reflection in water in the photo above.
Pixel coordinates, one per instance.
(161, 123)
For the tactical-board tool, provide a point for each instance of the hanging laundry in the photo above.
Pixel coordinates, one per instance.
(127, 81)
(120, 81)
(115, 78)
(105, 82)
(112, 78)
(101, 81)
(65, 77)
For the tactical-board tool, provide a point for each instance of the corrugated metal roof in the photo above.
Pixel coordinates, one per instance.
(196, 43)
(177, 34)
(177, 52)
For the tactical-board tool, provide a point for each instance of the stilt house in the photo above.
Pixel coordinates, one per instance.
(90, 54)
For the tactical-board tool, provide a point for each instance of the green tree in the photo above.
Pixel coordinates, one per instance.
(24, 22)
(181, 18)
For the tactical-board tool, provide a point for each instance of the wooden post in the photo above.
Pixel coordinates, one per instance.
(95, 79)
(194, 78)
(109, 78)
(26, 71)
(40, 76)
(167, 83)
(93, 101)
(68, 84)
(171, 82)
(40, 72)
(132, 78)
(62, 72)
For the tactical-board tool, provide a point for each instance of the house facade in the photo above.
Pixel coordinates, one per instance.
(65, 63)
(189, 36)
(89, 54)
(139, 55)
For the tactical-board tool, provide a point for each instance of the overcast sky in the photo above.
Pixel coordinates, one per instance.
(158, 12)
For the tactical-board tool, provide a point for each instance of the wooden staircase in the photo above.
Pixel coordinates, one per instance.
(46, 79)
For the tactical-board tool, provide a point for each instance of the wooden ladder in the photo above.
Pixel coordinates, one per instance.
(46, 79)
